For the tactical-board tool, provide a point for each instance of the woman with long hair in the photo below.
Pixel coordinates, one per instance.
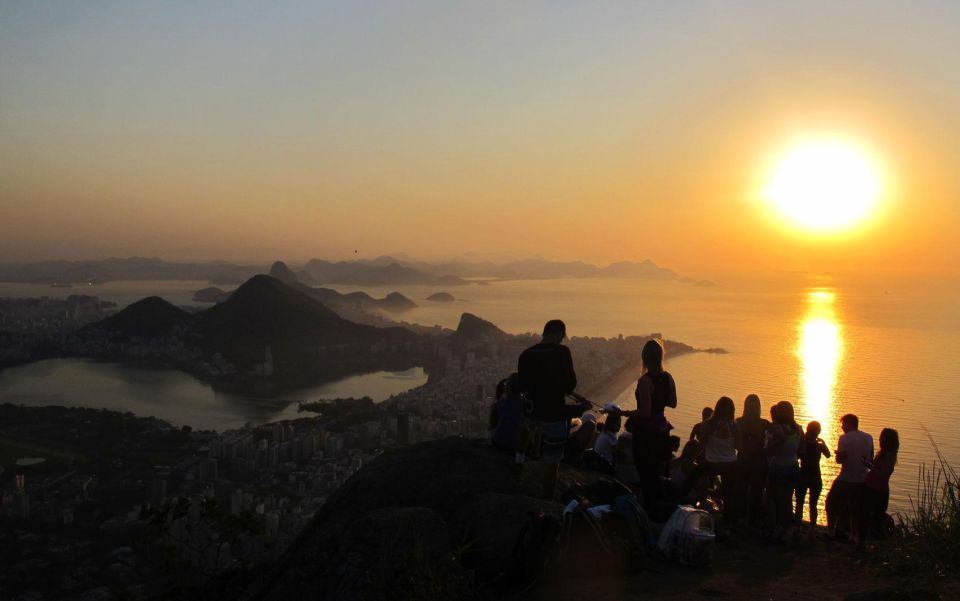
(876, 486)
(650, 429)
(753, 463)
(784, 447)
(721, 443)
(810, 479)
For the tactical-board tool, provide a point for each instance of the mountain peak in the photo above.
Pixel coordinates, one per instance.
(283, 273)
(472, 330)
(150, 317)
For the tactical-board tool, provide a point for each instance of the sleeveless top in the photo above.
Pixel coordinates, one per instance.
(720, 449)
(664, 390)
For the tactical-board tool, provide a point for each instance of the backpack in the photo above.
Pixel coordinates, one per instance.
(585, 548)
(534, 553)
(642, 533)
(688, 537)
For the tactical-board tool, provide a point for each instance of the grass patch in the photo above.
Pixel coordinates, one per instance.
(926, 541)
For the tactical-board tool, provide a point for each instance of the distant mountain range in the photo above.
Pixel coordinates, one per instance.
(303, 336)
(382, 271)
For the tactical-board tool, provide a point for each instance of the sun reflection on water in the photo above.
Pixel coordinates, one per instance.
(820, 351)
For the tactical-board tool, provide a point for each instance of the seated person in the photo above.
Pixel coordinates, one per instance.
(705, 415)
(506, 414)
(682, 467)
(582, 433)
(606, 444)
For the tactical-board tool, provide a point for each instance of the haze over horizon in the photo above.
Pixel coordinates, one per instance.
(243, 132)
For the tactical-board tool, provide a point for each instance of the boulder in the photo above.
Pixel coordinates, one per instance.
(432, 521)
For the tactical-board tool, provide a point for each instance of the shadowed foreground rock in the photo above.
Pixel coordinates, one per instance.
(429, 521)
(438, 520)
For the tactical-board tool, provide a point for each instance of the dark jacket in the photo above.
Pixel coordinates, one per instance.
(546, 375)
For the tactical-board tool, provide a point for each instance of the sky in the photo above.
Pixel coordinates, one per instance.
(598, 131)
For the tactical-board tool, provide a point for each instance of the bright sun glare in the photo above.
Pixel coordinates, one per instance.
(824, 186)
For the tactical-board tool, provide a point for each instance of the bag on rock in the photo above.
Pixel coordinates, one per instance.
(689, 536)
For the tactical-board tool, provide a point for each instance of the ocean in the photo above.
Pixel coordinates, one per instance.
(888, 351)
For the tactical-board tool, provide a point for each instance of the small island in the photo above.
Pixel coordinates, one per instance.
(211, 294)
(441, 297)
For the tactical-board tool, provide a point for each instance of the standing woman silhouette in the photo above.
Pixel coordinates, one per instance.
(656, 391)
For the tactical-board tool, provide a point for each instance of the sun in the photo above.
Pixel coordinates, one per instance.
(824, 185)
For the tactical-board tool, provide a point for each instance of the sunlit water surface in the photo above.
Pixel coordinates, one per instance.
(888, 351)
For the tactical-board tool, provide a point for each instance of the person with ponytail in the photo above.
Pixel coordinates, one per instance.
(648, 425)
(753, 463)
(721, 443)
(784, 447)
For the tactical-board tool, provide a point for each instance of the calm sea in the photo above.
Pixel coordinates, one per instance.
(888, 351)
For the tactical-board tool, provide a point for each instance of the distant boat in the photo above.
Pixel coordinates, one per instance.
(59, 285)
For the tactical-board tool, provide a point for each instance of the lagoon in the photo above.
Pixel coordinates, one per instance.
(177, 397)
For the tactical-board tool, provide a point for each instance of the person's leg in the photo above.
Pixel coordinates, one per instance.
(524, 439)
(815, 490)
(832, 506)
(729, 483)
(770, 503)
(554, 440)
(800, 498)
(758, 479)
(856, 510)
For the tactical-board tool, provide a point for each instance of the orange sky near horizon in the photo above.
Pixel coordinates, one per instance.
(618, 133)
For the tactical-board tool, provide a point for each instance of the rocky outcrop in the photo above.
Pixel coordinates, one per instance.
(283, 273)
(435, 519)
(475, 331)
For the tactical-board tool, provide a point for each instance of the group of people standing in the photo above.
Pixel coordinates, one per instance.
(749, 468)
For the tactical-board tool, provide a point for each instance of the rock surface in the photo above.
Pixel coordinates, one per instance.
(399, 528)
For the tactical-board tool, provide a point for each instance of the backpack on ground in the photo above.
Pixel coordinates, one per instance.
(534, 554)
(642, 533)
(688, 536)
(585, 547)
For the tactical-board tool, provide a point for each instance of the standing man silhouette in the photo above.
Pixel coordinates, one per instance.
(546, 376)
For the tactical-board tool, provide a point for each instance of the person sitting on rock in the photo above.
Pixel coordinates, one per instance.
(583, 430)
(605, 448)
(695, 432)
(505, 415)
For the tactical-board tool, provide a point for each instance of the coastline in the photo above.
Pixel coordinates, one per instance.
(610, 388)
